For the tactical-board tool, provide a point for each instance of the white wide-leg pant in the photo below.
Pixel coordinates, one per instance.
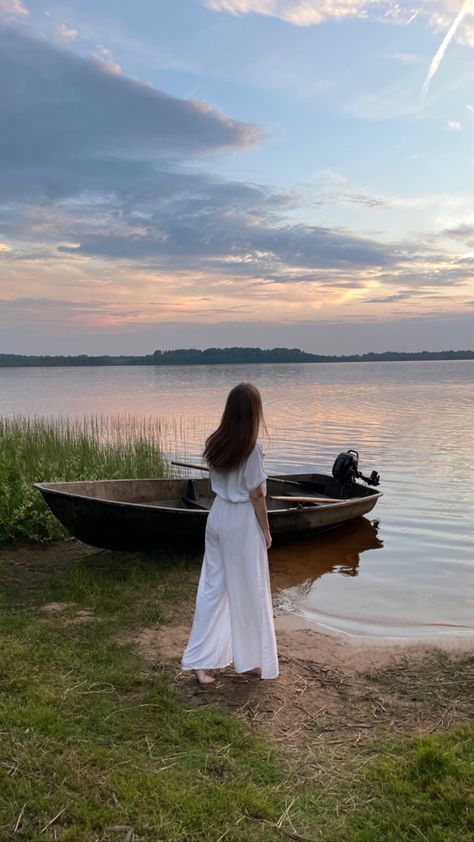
(233, 620)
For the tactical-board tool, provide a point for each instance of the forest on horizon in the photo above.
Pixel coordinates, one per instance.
(225, 356)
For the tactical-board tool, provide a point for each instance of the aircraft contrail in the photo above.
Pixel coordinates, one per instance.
(439, 54)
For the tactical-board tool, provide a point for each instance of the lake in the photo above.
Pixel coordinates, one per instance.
(412, 574)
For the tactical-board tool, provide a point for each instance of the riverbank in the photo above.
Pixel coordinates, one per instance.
(104, 739)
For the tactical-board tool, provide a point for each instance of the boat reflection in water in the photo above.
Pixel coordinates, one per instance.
(296, 567)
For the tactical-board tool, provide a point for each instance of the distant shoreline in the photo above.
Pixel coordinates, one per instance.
(224, 356)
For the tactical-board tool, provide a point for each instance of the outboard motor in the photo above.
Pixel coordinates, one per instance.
(346, 470)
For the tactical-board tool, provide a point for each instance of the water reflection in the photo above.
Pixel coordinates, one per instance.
(295, 567)
(361, 597)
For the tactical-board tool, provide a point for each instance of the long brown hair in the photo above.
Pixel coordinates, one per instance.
(236, 435)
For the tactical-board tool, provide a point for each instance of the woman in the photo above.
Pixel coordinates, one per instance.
(233, 620)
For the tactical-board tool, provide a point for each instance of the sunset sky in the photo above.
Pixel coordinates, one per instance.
(179, 173)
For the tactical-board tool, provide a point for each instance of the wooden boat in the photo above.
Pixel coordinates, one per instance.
(144, 514)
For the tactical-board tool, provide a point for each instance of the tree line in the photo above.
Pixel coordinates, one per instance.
(226, 356)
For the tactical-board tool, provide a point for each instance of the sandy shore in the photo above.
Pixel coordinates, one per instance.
(306, 641)
(359, 653)
(334, 689)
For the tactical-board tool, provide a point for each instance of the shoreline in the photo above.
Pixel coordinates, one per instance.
(296, 635)
(357, 653)
(42, 366)
(181, 358)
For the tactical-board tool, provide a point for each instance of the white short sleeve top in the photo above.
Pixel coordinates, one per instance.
(235, 486)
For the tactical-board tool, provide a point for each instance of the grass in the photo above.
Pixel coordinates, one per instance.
(93, 738)
(419, 788)
(62, 449)
(86, 727)
(88, 732)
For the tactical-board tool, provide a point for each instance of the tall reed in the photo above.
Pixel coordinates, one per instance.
(60, 449)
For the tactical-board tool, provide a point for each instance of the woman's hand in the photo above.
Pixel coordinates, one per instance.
(268, 538)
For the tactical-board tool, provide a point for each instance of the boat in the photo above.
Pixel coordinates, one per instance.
(147, 514)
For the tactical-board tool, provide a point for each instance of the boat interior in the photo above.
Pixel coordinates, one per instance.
(197, 494)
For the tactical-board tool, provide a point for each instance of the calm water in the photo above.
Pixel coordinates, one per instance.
(413, 422)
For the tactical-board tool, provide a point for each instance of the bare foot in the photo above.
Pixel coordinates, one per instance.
(255, 671)
(203, 677)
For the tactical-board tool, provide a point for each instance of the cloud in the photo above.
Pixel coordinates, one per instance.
(438, 16)
(315, 12)
(68, 126)
(446, 13)
(104, 56)
(108, 161)
(304, 12)
(11, 10)
(103, 182)
(257, 248)
(436, 271)
(195, 220)
(64, 33)
(390, 299)
(453, 126)
(324, 336)
(407, 58)
(464, 232)
(333, 187)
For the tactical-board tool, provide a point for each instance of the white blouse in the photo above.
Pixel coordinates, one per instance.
(235, 486)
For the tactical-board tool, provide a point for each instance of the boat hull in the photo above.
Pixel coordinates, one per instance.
(151, 514)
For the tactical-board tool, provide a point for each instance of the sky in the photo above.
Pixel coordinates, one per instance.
(195, 173)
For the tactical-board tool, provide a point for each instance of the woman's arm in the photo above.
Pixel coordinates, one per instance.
(257, 498)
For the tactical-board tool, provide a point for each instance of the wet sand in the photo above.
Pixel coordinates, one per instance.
(356, 653)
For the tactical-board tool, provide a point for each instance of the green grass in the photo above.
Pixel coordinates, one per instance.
(86, 725)
(62, 449)
(419, 788)
(90, 731)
